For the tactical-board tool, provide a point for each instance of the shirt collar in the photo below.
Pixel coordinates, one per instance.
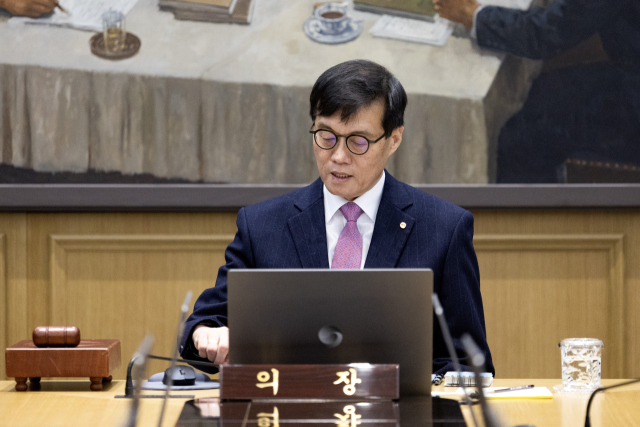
(368, 202)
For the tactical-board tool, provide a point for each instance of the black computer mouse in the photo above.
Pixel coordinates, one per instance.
(182, 375)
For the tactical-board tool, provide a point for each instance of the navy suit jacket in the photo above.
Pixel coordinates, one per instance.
(289, 232)
(541, 33)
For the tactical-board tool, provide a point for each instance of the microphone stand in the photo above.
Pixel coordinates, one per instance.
(128, 388)
(183, 317)
(140, 360)
(437, 308)
(587, 422)
(477, 362)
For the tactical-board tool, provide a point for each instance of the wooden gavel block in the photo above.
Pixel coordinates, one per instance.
(58, 351)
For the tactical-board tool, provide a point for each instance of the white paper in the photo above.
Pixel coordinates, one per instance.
(83, 14)
(527, 393)
(435, 33)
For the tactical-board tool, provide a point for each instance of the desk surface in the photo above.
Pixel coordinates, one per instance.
(70, 403)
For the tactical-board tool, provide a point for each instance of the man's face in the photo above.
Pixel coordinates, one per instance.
(350, 175)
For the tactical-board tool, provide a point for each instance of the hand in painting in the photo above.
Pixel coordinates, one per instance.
(457, 10)
(31, 8)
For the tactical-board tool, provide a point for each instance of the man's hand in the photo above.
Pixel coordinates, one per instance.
(457, 10)
(212, 343)
(31, 8)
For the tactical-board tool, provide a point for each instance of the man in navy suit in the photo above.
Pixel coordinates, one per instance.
(356, 215)
(542, 33)
(590, 111)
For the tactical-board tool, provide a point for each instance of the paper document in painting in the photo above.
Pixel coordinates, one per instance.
(83, 14)
(435, 33)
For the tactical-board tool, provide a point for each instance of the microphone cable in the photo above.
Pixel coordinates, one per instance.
(189, 361)
(587, 422)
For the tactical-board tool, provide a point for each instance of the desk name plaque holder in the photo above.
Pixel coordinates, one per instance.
(345, 395)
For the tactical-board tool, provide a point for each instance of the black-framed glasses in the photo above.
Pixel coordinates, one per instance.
(326, 140)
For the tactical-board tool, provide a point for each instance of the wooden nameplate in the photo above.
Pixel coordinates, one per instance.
(345, 382)
(95, 359)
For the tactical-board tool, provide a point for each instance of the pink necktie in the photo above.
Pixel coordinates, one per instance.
(348, 253)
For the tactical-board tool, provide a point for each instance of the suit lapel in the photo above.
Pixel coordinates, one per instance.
(389, 238)
(308, 227)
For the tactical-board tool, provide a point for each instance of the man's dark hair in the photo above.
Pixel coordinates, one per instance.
(353, 85)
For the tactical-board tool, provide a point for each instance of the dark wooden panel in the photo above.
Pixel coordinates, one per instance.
(231, 197)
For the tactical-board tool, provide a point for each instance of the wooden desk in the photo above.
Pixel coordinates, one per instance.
(61, 403)
(617, 407)
(70, 403)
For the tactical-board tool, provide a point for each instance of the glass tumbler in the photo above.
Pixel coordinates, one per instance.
(581, 365)
(114, 31)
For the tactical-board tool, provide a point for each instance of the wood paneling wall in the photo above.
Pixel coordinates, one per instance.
(549, 275)
(118, 276)
(539, 289)
(13, 281)
(545, 275)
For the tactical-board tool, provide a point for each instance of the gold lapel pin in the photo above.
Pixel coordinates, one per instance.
(403, 225)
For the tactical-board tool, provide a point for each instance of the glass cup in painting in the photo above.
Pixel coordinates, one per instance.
(581, 365)
(114, 31)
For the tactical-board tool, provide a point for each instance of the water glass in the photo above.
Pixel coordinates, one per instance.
(581, 365)
(114, 31)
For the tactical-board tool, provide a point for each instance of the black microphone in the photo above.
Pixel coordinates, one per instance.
(587, 422)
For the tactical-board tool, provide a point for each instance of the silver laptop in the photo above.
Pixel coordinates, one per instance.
(334, 316)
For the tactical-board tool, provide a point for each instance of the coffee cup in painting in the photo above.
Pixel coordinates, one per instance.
(333, 17)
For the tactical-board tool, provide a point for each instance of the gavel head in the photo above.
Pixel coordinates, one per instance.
(56, 336)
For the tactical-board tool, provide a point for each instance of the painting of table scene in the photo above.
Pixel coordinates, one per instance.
(217, 91)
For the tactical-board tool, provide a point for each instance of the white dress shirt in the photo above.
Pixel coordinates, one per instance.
(335, 221)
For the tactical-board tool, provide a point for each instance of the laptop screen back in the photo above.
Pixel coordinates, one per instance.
(334, 316)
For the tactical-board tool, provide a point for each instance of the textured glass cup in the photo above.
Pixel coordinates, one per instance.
(114, 31)
(581, 365)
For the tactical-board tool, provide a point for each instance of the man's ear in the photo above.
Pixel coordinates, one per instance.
(396, 139)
